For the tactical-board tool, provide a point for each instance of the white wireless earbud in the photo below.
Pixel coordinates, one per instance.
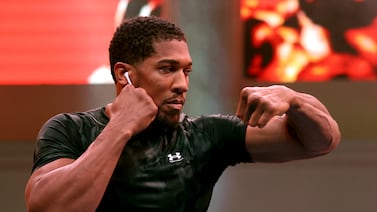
(128, 78)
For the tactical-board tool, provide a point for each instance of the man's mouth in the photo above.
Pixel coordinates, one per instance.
(176, 103)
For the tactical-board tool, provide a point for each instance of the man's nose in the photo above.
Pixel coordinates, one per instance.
(181, 81)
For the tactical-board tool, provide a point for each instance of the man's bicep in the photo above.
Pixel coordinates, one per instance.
(31, 193)
(53, 165)
(39, 172)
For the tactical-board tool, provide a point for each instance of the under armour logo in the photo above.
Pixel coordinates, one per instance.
(175, 157)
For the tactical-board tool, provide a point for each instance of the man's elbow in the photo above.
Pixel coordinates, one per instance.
(33, 203)
(329, 142)
(334, 140)
(35, 199)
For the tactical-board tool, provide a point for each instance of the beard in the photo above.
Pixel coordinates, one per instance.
(167, 119)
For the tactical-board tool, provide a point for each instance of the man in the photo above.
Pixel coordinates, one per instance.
(141, 153)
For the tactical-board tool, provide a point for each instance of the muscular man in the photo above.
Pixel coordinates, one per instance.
(141, 153)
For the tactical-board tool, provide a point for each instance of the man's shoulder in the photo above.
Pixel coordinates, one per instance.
(93, 116)
(209, 118)
(211, 121)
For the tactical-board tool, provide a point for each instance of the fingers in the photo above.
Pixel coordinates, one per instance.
(254, 119)
(260, 119)
(258, 112)
(242, 103)
(257, 105)
(133, 109)
(247, 109)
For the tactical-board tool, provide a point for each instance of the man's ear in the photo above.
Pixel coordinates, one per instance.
(120, 69)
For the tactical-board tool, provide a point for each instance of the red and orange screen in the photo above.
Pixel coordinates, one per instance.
(53, 42)
(310, 40)
(61, 42)
(66, 42)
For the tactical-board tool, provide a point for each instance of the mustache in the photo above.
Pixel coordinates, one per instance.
(175, 100)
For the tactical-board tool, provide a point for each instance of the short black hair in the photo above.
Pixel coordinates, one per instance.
(134, 38)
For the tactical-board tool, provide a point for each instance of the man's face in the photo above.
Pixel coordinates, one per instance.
(164, 76)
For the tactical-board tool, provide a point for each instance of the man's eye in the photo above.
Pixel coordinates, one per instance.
(187, 71)
(167, 69)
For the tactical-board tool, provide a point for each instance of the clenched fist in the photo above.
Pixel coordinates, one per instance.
(258, 105)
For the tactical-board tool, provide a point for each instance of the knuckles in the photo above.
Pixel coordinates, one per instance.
(260, 104)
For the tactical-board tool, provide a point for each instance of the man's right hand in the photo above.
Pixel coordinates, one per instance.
(133, 110)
